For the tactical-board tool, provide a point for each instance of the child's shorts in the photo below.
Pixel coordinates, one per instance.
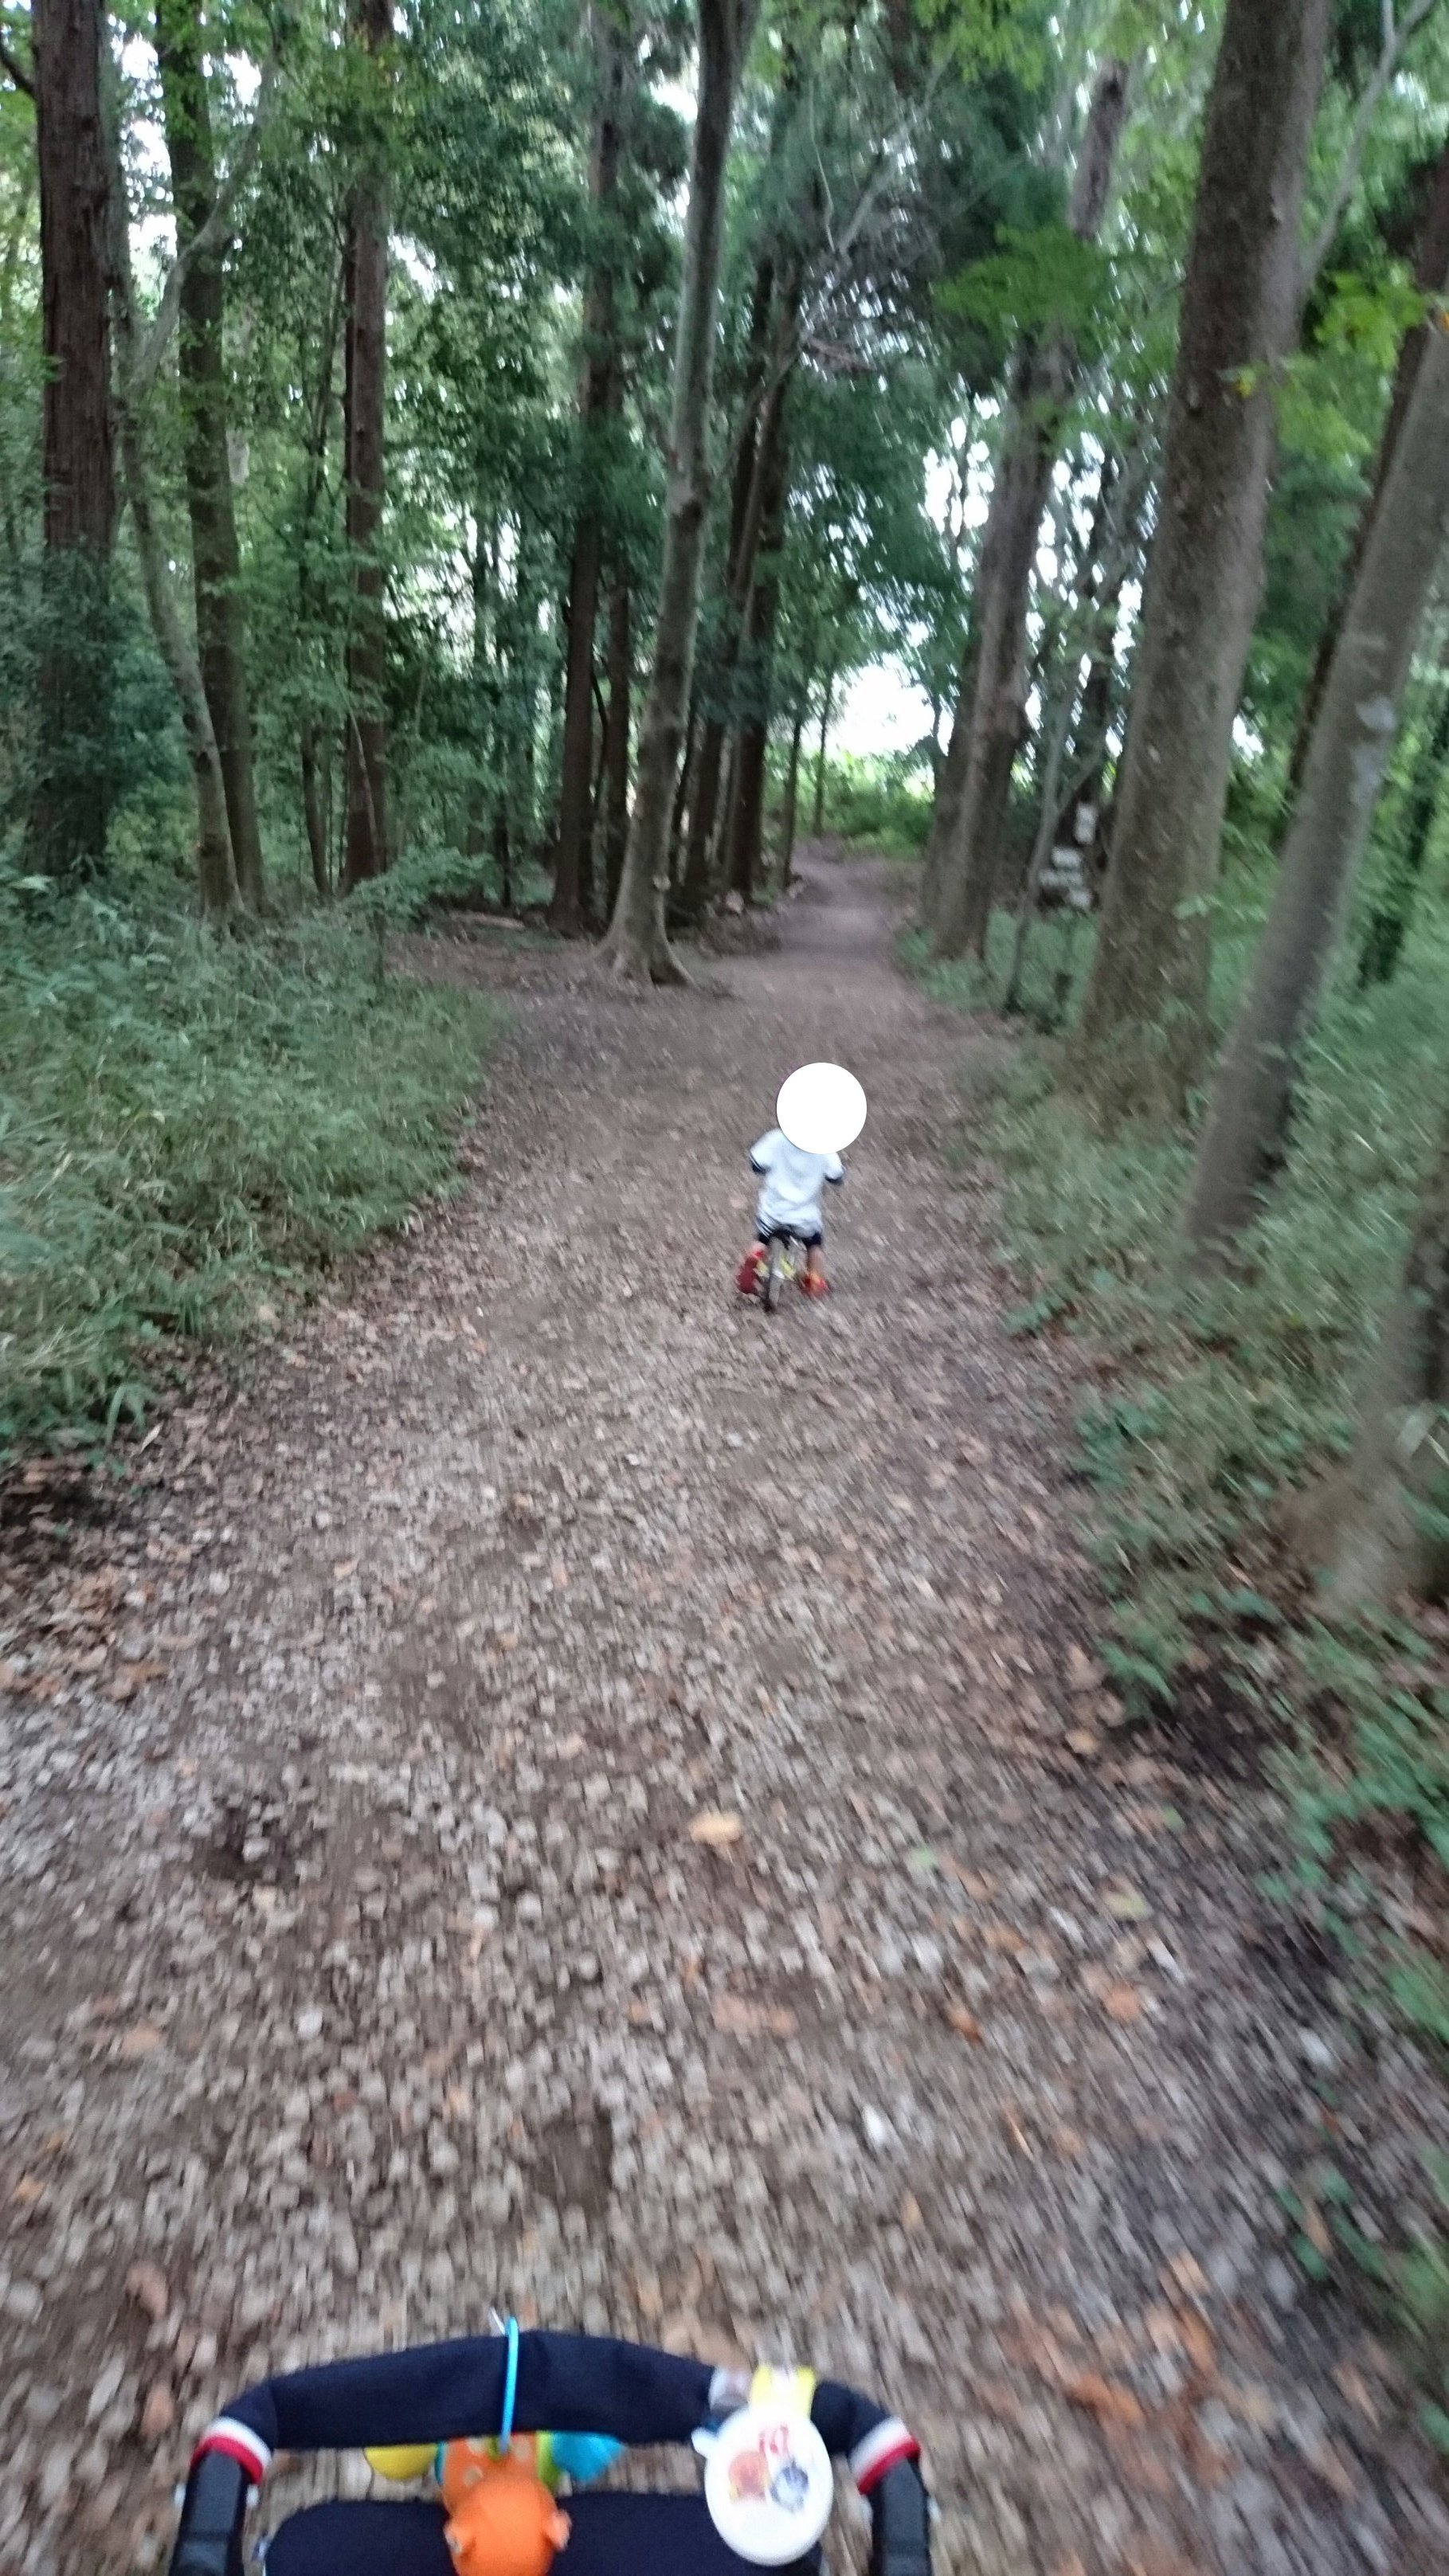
(810, 1236)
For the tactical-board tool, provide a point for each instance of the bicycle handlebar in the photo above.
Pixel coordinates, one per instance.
(217, 2492)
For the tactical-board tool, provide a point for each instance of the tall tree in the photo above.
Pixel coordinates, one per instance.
(748, 814)
(616, 737)
(1388, 923)
(215, 868)
(1431, 276)
(638, 943)
(1378, 1529)
(201, 362)
(1138, 1044)
(1352, 741)
(992, 712)
(69, 809)
(716, 674)
(599, 389)
(370, 23)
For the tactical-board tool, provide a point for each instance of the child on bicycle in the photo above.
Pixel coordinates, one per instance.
(789, 1209)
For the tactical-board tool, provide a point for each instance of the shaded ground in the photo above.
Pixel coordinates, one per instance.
(361, 1970)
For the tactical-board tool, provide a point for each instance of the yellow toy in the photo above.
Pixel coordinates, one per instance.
(408, 2460)
(502, 2521)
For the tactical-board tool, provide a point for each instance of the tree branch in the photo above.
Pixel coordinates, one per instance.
(15, 70)
(1396, 39)
(209, 238)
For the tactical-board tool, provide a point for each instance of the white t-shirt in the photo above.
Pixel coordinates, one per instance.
(792, 1183)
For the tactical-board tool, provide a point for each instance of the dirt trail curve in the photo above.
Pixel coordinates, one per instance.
(359, 1967)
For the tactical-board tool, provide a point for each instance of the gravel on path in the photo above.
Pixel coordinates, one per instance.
(551, 1789)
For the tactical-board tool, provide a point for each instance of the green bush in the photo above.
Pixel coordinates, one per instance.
(879, 803)
(1210, 1407)
(190, 1122)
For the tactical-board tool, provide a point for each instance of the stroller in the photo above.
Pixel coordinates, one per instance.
(531, 2383)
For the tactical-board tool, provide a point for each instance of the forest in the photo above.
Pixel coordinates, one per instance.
(461, 454)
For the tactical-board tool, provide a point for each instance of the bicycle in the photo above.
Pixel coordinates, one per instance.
(784, 1265)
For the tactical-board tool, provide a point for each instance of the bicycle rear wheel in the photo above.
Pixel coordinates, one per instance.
(775, 1269)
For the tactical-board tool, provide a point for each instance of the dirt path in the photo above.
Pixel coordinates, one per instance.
(360, 1970)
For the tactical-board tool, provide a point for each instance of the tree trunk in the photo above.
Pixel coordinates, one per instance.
(1379, 1529)
(749, 815)
(313, 754)
(216, 873)
(950, 781)
(638, 943)
(216, 561)
(598, 399)
(792, 791)
(1352, 742)
(1388, 923)
(17, 238)
(817, 819)
(370, 22)
(970, 862)
(720, 662)
(1431, 275)
(312, 806)
(68, 816)
(1138, 1045)
(616, 738)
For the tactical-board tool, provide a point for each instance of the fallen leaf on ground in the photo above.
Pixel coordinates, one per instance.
(1198, 2344)
(716, 1828)
(159, 2412)
(141, 2040)
(964, 2022)
(28, 2191)
(910, 2211)
(746, 2020)
(1083, 1742)
(1123, 2004)
(1356, 2389)
(1315, 2228)
(1106, 2399)
(1332, 2468)
(1127, 1904)
(146, 2284)
(1185, 2275)
(1084, 1673)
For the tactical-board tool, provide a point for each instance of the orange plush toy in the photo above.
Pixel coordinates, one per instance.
(502, 2521)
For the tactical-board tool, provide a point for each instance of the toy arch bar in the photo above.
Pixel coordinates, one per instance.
(565, 2384)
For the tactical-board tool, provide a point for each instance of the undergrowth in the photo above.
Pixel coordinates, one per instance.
(1211, 1409)
(189, 1124)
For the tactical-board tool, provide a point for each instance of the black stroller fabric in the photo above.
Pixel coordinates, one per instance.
(611, 2535)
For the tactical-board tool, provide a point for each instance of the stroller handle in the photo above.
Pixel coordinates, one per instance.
(209, 2542)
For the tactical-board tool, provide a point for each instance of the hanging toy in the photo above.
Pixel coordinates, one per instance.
(403, 2462)
(502, 2519)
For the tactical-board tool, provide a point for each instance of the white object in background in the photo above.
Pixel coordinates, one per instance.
(768, 2484)
(821, 1109)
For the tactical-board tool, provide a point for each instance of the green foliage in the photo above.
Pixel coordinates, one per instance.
(1035, 283)
(879, 803)
(189, 1125)
(1216, 1406)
